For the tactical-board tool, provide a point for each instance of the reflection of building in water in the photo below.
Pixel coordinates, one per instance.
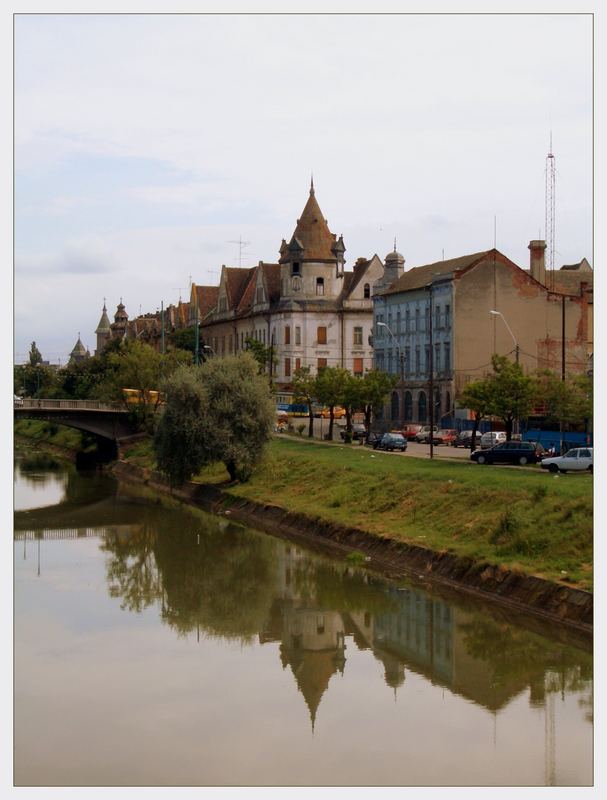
(426, 635)
(312, 638)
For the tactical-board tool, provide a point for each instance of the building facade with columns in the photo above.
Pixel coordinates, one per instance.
(307, 308)
(456, 314)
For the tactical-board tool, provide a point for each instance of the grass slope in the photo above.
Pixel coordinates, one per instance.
(524, 519)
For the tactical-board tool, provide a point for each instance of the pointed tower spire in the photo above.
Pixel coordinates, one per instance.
(395, 244)
(312, 183)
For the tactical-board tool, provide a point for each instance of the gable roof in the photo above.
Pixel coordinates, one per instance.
(418, 277)
(207, 299)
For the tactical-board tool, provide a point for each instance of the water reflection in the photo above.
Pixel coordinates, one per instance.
(226, 581)
(39, 481)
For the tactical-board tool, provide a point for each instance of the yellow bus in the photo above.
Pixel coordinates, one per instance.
(151, 397)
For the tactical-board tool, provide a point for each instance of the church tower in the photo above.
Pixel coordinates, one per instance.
(103, 331)
(312, 262)
(119, 325)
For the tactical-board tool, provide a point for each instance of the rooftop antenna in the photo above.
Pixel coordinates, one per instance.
(495, 231)
(178, 289)
(240, 244)
(550, 211)
(395, 244)
(311, 183)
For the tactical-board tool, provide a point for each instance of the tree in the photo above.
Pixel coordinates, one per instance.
(263, 355)
(183, 339)
(352, 399)
(377, 385)
(35, 355)
(35, 380)
(220, 411)
(512, 392)
(566, 401)
(330, 386)
(304, 391)
(477, 397)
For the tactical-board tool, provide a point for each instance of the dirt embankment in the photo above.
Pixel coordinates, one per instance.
(568, 606)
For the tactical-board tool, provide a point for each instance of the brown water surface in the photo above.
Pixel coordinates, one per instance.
(158, 645)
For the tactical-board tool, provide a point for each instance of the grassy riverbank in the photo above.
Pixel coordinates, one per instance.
(523, 519)
(40, 431)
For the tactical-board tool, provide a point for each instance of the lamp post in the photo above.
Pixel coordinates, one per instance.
(428, 288)
(402, 373)
(499, 314)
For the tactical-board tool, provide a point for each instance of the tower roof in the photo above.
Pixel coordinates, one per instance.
(104, 322)
(312, 233)
(79, 348)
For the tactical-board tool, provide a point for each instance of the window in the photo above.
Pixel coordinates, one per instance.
(321, 335)
(366, 291)
(379, 359)
(407, 320)
(287, 367)
(417, 320)
(447, 356)
(437, 316)
(408, 407)
(448, 403)
(259, 293)
(389, 361)
(437, 357)
(398, 322)
(358, 336)
(297, 364)
(421, 407)
(427, 318)
(295, 268)
(418, 366)
(287, 334)
(447, 316)
(321, 363)
(407, 360)
(427, 356)
(358, 366)
(320, 286)
(297, 335)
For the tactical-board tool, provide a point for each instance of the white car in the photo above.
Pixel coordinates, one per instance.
(577, 460)
(491, 438)
(18, 401)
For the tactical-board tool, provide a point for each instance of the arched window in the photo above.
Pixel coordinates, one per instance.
(394, 407)
(408, 407)
(421, 407)
(437, 406)
(367, 291)
(320, 286)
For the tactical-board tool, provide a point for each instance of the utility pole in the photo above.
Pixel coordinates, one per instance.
(162, 327)
(431, 365)
(561, 427)
(402, 389)
(197, 343)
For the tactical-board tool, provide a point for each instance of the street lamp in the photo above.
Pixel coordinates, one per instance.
(499, 314)
(208, 349)
(402, 373)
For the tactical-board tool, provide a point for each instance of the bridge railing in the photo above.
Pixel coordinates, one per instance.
(72, 405)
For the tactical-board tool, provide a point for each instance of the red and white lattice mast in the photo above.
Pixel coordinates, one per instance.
(550, 212)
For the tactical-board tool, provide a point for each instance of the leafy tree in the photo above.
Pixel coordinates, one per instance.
(35, 380)
(330, 386)
(265, 356)
(566, 401)
(35, 355)
(304, 391)
(352, 399)
(220, 411)
(377, 385)
(184, 339)
(512, 392)
(477, 397)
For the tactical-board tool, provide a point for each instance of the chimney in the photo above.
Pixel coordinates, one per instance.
(537, 263)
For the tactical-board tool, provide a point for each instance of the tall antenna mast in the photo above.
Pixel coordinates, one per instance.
(550, 211)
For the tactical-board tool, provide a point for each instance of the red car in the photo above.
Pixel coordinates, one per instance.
(443, 436)
(411, 431)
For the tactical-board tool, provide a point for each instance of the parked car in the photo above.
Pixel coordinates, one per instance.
(372, 439)
(424, 432)
(411, 431)
(492, 438)
(443, 436)
(464, 439)
(510, 453)
(391, 441)
(358, 432)
(577, 460)
(18, 400)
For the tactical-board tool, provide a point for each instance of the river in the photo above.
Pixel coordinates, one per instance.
(155, 644)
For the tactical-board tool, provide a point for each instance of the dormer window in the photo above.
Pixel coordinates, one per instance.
(295, 268)
(320, 287)
(259, 297)
(366, 291)
(222, 304)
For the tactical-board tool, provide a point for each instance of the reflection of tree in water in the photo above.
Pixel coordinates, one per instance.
(203, 572)
(131, 571)
(514, 654)
(39, 462)
(220, 580)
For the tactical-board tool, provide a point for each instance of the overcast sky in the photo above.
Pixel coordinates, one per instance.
(147, 146)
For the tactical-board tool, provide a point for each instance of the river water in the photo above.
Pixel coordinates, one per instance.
(158, 645)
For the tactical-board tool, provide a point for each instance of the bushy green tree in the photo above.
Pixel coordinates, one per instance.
(476, 397)
(265, 356)
(353, 395)
(512, 392)
(35, 356)
(304, 391)
(330, 386)
(220, 411)
(377, 385)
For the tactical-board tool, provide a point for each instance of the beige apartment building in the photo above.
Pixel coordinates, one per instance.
(457, 313)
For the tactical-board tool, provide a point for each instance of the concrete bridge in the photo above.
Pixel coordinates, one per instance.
(106, 420)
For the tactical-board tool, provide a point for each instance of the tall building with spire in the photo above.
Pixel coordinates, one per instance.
(79, 352)
(103, 330)
(307, 308)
